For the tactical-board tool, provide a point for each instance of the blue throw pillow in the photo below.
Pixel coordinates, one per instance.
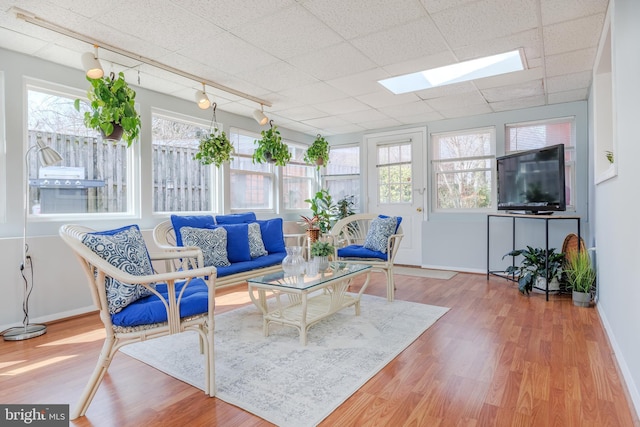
(239, 218)
(256, 245)
(237, 242)
(272, 235)
(212, 242)
(125, 249)
(379, 232)
(195, 221)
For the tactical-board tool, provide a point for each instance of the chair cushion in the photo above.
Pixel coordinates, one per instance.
(125, 249)
(260, 262)
(239, 218)
(358, 251)
(195, 221)
(212, 242)
(379, 232)
(256, 245)
(272, 235)
(237, 242)
(151, 309)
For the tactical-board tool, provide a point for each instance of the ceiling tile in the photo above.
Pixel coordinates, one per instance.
(570, 62)
(360, 83)
(341, 106)
(405, 110)
(423, 63)
(386, 98)
(333, 62)
(448, 90)
(572, 35)
(523, 90)
(364, 116)
(456, 101)
(510, 78)
(569, 82)
(516, 104)
(229, 14)
(278, 76)
(569, 96)
(554, 11)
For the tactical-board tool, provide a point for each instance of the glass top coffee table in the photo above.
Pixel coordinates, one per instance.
(301, 301)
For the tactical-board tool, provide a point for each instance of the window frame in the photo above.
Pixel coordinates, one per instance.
(570, 160)
(435, 159)
(133, 180)
(311, 177)
(326, 178)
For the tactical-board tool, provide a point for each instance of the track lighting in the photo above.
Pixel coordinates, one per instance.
(202, 99)
(91, 64)
(260, 116)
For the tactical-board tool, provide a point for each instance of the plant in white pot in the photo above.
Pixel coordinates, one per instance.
(580, 276)
(321, 250)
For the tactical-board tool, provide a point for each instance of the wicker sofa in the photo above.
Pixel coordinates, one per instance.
(242, 265)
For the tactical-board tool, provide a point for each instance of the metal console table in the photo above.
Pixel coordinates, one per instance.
(545, 218)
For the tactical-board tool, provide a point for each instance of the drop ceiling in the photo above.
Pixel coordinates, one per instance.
(318, 61)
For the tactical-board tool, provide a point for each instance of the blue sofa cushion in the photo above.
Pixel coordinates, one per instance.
(260, 262)
(151, 309)
(358, 251)
(256, 245)
(237, 242)
(239, 218)
(272, 235)
(195, 221)
(379, 232)
(125, 249)
(212, 242)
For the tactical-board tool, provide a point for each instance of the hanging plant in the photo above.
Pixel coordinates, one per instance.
(215, 147)
(318, 152)
(271, 148)
(112, 108)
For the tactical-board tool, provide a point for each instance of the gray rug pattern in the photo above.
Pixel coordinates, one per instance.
(281, 381)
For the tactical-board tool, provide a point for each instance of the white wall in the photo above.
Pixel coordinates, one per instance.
(617, 218)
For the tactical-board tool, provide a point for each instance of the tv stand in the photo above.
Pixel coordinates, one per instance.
(537, 216)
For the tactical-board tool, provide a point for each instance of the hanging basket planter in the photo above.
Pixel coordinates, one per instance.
(115, 135)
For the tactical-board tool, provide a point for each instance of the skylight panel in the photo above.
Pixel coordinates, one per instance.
(455, 73)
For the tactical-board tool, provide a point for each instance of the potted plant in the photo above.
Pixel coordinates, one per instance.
(318, 152)
(580, 276)
(313, 231)
(214, 147)
(271, 148)
(534, 266)
(322, 206)
(321, 250)
(112, 108)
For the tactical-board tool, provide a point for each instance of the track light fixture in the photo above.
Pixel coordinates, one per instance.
(260, 116)
(202, 99)
(91, 64)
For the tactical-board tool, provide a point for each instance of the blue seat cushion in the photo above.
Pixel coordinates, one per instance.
(195, 221)
(260, 262)
(358, 251)
(151, 309)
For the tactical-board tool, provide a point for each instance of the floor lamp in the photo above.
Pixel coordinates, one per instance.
(48, 156)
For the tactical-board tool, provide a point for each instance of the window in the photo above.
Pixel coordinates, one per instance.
(297, 179)
(527, 136)
(342, 173)
(462, 172)
(252, 185)
(394, 173)
(95, 176)
(180, 183)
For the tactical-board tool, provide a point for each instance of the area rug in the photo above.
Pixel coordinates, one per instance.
(424, 272)
(281, 381)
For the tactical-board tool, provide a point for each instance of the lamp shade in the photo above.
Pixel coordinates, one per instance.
(92, 66)
(260, 117)
(203, 100)
(48, 156)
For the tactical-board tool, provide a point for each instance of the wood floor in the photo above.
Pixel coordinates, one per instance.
(496, 358)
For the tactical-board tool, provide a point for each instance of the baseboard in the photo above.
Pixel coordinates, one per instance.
(52, 318)
(458, 269)
(630, 387)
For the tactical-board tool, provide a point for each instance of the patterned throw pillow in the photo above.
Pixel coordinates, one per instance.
(256, 245)
(125, 249)
(212, 242)
(379, 232)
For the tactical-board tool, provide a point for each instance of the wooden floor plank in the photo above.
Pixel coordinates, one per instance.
(497, 358)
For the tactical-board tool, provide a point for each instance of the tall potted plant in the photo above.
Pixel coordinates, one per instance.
(271, 148)
(318, 152)
(112, 108)
(580, 276)
(322, 206)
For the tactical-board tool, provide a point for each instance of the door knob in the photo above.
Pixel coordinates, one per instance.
(419, 209)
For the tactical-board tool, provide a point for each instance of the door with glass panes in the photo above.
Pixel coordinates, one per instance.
(395, 185)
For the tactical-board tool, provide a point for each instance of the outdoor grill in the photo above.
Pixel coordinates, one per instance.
(64, 189)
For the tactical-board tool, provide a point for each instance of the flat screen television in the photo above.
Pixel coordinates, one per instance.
(532, 181)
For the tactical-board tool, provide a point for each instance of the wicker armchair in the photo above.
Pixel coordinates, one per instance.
(349, 235)
(179, 301)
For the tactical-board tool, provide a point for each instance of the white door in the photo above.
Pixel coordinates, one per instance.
(396, 185)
